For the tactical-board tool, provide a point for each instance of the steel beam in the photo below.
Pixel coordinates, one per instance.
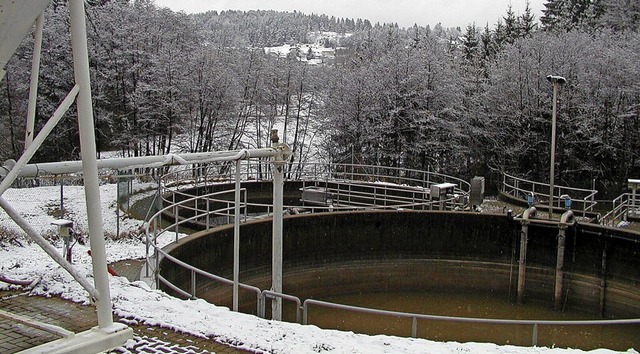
(89, 164)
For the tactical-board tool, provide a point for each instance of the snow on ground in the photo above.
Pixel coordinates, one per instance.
(140, 304)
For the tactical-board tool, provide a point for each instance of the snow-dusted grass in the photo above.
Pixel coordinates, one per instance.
(136, 302)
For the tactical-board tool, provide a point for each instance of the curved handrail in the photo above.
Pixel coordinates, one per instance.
(584, 199)
(495, 321)
(315, 171)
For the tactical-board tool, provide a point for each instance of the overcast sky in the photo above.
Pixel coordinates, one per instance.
(450, 13)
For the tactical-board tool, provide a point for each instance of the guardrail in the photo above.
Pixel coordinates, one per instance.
(260, 171)
(486, 321)
(623, 206)
(353, 186)
(582, 199)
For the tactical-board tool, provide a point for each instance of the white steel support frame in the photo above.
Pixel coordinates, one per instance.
(89, 165)
(33, 89)
(106, 335)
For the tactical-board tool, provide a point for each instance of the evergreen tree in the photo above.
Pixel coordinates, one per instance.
(567, 15)
(470, 42)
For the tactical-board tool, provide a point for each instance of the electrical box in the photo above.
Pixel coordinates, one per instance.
(634, 200)
(440, 191)
(63, 227)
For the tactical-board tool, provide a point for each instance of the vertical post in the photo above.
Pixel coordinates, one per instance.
(193, 284)
(522, 263)
(603, 279)
(89, 162)
(414, 327)
(556, 81)
(278, 186)
(33, 90)
(565, 220)
(236, 239)
(61, 198)
(176, 227)
(559, 272)
(208, 219)
(118, 206)
(553, 148)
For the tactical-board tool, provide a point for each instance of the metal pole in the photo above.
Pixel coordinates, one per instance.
(236, 239)
(89, 162)
(278, 186)
(33, 90)
(61, 198)
(556, 81)
(118, 206)
(553, 148)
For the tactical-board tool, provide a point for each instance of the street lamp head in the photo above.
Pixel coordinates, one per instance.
(556, 79)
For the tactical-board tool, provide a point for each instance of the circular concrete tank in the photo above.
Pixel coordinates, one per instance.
(329, 255)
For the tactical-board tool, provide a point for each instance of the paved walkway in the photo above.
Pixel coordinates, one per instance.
(15, 337)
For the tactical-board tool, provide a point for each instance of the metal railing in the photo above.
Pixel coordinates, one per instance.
(190, 176)
(352, 186)
(623, 206)
(582, 199)
(485, 321)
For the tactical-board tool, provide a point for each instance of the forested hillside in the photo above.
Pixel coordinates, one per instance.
(460, 101)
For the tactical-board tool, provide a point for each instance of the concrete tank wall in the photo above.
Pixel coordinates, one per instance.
(344, 253)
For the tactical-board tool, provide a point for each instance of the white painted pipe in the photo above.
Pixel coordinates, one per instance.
(278, 163)
(89, 162)
(33, 89)
(522, 262)
(67, 167)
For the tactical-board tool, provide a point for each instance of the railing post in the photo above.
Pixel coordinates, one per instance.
(261, 305)
(195, 209)
(176, 227)
(305, 313)
(246, 207)
(414, 327)
(193, 284)
(208, 218)
(156, 269)
(534, 339)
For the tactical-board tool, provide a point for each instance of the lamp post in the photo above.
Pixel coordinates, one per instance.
(556, 81)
